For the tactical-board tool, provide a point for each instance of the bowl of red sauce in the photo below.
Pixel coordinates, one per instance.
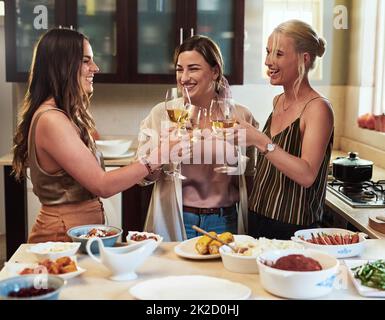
(297, 274)
(31, 287)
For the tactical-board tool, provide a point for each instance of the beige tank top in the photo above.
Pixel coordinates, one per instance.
(56, 188)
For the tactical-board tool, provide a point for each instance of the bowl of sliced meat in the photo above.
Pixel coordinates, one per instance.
(339, 243)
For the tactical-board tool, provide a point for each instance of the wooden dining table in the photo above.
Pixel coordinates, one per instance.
(94, 283)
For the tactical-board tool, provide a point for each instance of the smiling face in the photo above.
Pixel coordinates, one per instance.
(283, 64)
(194, 73)
(88, 68)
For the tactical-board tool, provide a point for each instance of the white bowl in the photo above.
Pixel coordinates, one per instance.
(298, 284)
(54, 250)
(241, 263)
(113, 147)
(159, 238)
(338, 251)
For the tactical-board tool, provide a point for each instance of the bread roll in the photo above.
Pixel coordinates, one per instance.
(202, 245)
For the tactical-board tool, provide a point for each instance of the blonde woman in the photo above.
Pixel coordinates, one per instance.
(296, 143)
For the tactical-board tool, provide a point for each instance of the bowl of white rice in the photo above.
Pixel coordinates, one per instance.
(245, 259)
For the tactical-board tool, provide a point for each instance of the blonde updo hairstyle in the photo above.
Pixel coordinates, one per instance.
(305, 40)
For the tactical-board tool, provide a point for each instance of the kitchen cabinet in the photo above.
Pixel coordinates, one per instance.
(133, 40)
(99, 20)
(164, 24)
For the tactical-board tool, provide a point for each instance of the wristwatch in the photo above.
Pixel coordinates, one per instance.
(270, 147)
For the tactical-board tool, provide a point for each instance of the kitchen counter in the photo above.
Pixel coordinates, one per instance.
(6, 160)
(94, 283)
(359, 217)
(16, 207)
(137, 199)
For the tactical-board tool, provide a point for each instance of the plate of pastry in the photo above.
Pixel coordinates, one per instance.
(64, 267)
(203, 247)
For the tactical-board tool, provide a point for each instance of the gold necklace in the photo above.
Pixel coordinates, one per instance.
(283, 104)
(287, 108)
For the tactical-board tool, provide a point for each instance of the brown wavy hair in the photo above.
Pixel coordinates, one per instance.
(55, 73)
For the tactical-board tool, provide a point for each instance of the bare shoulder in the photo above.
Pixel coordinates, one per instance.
(276, 98)
(54, 120)
(319, 107)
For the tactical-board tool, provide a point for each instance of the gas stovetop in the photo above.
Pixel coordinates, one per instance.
(368, 194)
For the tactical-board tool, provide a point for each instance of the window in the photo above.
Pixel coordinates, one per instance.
(379, 70)
(1, 8)
(278, 11)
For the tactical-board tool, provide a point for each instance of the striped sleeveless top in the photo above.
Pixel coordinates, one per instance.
(276, 196)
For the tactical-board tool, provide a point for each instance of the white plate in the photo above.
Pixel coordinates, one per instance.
(14, 269)
(186, 249)
(362, 290)
(119, 156)
(190, 288)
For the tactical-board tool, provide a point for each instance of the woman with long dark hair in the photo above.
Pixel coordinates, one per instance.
(54, 139)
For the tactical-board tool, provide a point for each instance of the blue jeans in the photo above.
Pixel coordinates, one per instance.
(218, 222)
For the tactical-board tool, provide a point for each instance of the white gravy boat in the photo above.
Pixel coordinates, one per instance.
(122, 261)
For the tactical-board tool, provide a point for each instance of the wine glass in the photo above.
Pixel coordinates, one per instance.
(179, 108)
(222, 117)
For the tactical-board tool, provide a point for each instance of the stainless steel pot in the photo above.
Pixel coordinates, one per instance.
(352, 169)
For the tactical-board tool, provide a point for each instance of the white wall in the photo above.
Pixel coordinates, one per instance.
(6, 119)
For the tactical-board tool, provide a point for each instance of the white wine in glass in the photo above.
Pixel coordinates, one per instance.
(178, 116)
(222, 117)
(178, 107)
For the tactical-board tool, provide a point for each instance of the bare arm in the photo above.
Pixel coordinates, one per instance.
(318, 121)
(58, 141)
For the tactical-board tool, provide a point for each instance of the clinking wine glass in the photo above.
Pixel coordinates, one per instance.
(179, 108)
(222, 117)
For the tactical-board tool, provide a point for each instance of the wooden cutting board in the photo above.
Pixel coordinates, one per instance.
(377, 223)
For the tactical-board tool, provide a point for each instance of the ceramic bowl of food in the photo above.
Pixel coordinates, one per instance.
(340, 243)
(248, 249)
(282, 273)
(54, 250)
(113, 147)
(137, 236)
(108, 234)
(31, 287)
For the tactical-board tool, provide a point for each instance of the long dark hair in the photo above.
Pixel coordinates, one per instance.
(210, 52)
(54, 73)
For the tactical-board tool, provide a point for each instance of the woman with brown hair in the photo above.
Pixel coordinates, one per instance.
(54, 139)
(296, 143)
(213, 201)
